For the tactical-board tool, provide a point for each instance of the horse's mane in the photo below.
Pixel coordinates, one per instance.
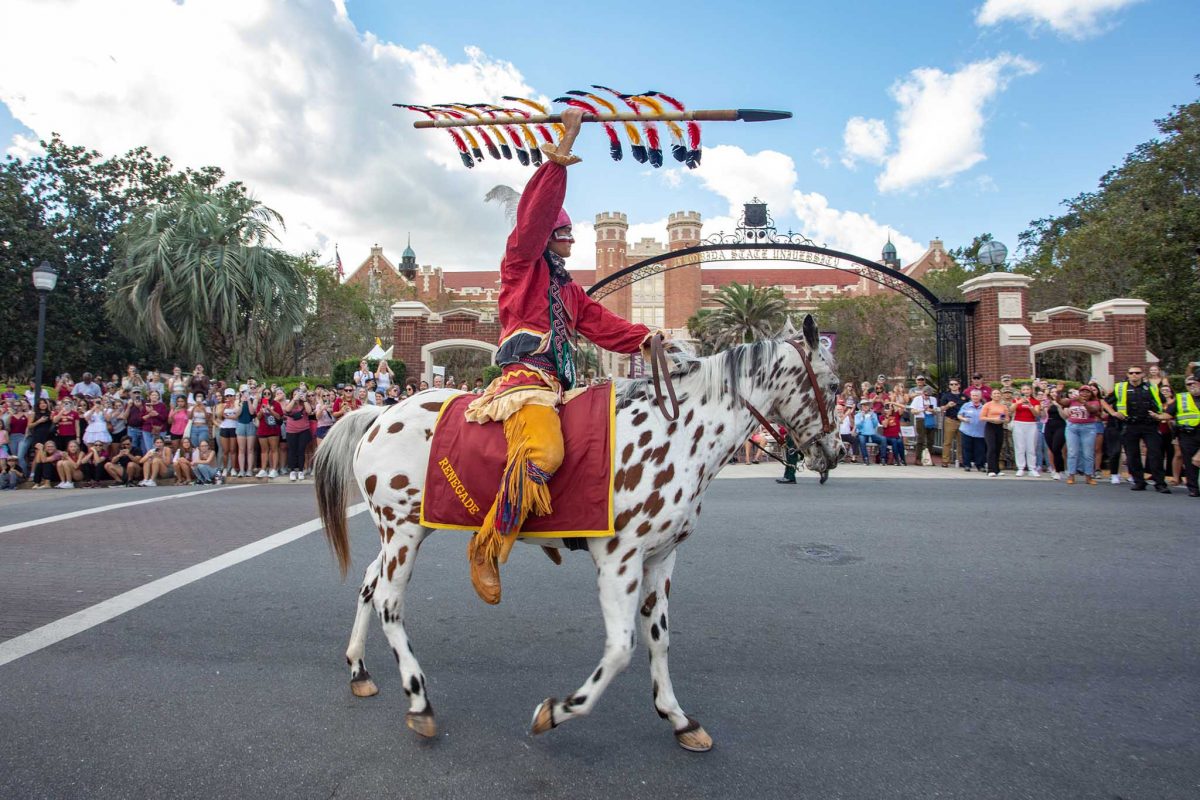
(728, 372)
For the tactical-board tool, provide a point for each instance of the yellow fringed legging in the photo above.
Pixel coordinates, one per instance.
(535, 452)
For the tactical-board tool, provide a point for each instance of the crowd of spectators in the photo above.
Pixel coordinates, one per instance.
(140, 428)
(1033, 429)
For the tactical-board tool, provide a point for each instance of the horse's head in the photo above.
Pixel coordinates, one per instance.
(806, 403)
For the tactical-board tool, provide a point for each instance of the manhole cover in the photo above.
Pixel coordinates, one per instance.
(827, 554)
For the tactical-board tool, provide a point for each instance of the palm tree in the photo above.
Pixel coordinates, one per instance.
(200, 280)
(745, 314)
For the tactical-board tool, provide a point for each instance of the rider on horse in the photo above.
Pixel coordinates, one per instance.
(541, 310)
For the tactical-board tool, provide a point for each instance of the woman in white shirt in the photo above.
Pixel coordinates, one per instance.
(383, 376)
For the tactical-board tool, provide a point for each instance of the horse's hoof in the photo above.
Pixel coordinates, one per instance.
(694, 738)
(364, 688)
(543, 717)
(423, 724)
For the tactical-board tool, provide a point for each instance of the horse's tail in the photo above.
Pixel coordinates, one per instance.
(333, 475)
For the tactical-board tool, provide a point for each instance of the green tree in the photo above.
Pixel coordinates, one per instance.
(200, 280)
(67, 206)
(876, 334)
(340, 324)
(745, 314)
(1136, 236)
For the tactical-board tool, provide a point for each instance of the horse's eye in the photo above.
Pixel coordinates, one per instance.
(833, 387)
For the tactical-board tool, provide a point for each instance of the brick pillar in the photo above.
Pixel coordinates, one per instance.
(1124, 322)
(611, 230)
(409, 320)
(681, 285)
(1001, 339)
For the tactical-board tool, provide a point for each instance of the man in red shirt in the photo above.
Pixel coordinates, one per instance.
(344, 403)
(977, 383)
(541, 309)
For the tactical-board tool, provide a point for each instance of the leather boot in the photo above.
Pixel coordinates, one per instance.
(485, 573)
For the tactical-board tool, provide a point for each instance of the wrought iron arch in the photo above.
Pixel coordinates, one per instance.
(756, 239)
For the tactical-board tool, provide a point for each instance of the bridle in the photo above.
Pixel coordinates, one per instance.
(827, 425)
(660, 374)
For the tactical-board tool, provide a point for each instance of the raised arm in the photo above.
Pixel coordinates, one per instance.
(542, 199)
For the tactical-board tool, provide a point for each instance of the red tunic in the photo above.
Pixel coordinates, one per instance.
(525, 281)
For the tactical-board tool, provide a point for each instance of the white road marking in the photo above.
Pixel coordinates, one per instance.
(87, 512)
(102, 612)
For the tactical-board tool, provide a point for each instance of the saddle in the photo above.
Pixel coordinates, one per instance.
(467, 460)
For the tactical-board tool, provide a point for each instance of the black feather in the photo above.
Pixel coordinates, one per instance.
(475, 151)
(536, 156)
(655, 157)
(638, 151)
(523, 157)
(493, 152)
(614, 150)
(506, 151)
(680, 152)
(466, 159)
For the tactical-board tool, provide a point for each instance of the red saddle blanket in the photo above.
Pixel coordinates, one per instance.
(467, 460)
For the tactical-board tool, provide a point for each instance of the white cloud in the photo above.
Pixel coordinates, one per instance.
(822, 157)
(739, 177)
(865, 139)
(1073, 18)
(297, 105)
(850, 231)
(775, 176)
(941, 118)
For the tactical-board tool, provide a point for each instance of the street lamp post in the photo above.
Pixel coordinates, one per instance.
(297, 329)
(45, 277)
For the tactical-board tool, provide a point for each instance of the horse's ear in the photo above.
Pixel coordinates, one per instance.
(810, 332)
(788, 331)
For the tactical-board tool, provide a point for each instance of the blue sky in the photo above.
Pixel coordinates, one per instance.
(1061, 96)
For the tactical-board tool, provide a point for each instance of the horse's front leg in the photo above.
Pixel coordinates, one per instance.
(654, 615)
(401, 540)
(360, 680)
(619, 576)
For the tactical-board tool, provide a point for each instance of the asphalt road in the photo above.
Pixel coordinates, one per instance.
(872, 638)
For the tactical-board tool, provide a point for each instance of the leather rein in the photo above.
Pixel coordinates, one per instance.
(668, 404)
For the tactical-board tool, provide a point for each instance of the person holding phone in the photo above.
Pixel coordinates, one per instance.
(296, 412)
(995, 417)
(92, 464)
(123, 467)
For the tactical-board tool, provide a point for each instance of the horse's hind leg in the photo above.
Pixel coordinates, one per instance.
(394, 570)
(360, 680)
(619, 578)
(654, 619)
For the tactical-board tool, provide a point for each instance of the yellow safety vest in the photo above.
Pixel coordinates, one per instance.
(1121, 391)
(1189, 414)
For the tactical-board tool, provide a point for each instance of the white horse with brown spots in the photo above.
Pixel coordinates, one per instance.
(664, 469)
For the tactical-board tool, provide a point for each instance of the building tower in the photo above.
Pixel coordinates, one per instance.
(611, 230)
(681, 285)
(408, 261)
(890, 258)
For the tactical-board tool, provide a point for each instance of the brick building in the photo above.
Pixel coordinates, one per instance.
(666, 300)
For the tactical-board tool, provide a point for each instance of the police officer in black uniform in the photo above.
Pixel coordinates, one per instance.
(1140, 406)
(1185, 408)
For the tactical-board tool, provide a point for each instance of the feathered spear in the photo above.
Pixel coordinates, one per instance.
(459, 142)
(497, 126)
(614, 141)
(636, 148)
(693, 129)
(493, 150)
(654, 151)
(678, 148)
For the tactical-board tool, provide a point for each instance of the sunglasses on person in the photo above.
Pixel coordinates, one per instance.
(1135, 372)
